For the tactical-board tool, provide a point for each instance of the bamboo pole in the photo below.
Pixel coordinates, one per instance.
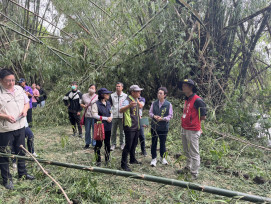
(47, 174)
(156, 179)
(61, 30)
(40, 41)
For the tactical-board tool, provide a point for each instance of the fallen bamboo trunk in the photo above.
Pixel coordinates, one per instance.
(156, 179)
(47, 174)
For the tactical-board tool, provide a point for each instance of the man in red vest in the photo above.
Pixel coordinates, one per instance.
(193, 113)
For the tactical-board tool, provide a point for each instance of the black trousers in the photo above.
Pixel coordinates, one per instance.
(131, 140)
(75, 120)
(8, 141)
(99, 144)
(29, 117)
(162, 135)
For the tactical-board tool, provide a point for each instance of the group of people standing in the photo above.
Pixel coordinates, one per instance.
(124, 112)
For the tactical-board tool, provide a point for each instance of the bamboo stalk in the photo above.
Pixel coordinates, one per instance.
(131, 37)
(61, 30)
(156, 179)
(47, 174)
(37, 41)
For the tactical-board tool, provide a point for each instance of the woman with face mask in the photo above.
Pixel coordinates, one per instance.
(88, 99)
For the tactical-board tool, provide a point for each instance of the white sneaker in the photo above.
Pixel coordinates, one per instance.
(164, 161)
(113, 147)
(34, 154)
(122, 146)
(14, 166)
(153, 162)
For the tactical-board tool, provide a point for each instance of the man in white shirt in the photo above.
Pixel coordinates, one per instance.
(116, 101)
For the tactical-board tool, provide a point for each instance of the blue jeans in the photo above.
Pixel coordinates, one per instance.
(30, 139)
(41, 104)
(142, 139)
(89, 123)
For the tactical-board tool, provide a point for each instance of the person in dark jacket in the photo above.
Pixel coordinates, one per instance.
(101, 111)
(42, 97)
(161, 113)
(73, 100)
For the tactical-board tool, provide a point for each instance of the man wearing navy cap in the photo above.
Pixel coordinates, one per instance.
(193, 113)
(29, 92)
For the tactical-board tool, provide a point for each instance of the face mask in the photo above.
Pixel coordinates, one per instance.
(73, 87)
(91, 91)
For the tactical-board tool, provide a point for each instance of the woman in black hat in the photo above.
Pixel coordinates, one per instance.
(102, 112)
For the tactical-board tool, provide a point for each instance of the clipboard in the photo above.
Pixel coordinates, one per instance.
(144, 121)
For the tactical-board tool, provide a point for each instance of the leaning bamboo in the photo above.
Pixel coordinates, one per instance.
(47, 174)
(156, 179)
(40, 41)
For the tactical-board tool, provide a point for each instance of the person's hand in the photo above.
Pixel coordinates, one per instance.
(109, 119)
(139, 104)
(159, 119)
(23, 114)
(156, 117)
(133, 104)
(10, 119)
(78, 113)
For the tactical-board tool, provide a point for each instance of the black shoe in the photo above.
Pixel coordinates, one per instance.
(144, 153)
(135, 162)
(185, 170)
(9, 185)
(86, 147)
(107, 163)
(98, 164)
(81, 135)
(126, 168)
(27, 177)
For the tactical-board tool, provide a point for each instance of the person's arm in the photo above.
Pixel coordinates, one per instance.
(201, 107)
(29, 93)
(83, 104)
(126, 105)
(151, 111)
(95, 113)
(80, 101)
(66, 99)
(9, 118)
(24, 112)
(26, 106)
(110, 100)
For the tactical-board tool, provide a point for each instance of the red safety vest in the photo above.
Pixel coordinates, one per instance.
(190, 117)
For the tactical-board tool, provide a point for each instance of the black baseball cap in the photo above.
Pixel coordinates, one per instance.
(189, 82)
(21, 80)
(103, 91)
